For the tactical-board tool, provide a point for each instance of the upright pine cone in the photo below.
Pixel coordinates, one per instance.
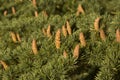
(5, 66)
(34, 3)
(118, 35)
(65, 55)
(48, 31)
(64, 31)
(44, 13)
(44, 31)
(36, 14)
(5, 12)
(82, 39)
(57, 39)
(96, 24)
(80, 10)
(13, 37)
(18, 37)
(68, 28)
(13, 10)
(34, 47)
(102, 35)
(76, 51)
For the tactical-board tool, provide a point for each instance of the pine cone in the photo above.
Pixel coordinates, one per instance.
(64, 31)
(5, 66)
(96, 24)
(80, 10)
(5, 12)
(34, 3)
(102, 35)
(18, 37)
(118, 35)
(76, 51)
(48, 31)
(69, 28)
(65, 55)
(44, 31)
(82, 39)
(13, 10)
(57, 39)
(13, 37)
(34, 47)
(36, 14)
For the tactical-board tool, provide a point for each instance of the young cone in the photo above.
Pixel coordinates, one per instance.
(4, 64)
(57, 39)
(76, 51)
(48, 31)
(44, 13)
(64, 31)
(13, 10)
(34, 3)
(102, 35)
(18, 37)
(68, 28)
(80, 10)
(5, 12)
(82, 39)
(34, 47)
(65, 55)
(44, 31)
(118, 35)
(36, 14)
(96, 24)
(13, 37)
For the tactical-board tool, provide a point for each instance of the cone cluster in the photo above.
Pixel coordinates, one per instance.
(80, 10)
(15, 37)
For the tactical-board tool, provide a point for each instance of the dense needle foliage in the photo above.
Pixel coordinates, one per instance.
(33, 46)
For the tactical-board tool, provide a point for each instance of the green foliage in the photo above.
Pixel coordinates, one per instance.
(98, 60)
